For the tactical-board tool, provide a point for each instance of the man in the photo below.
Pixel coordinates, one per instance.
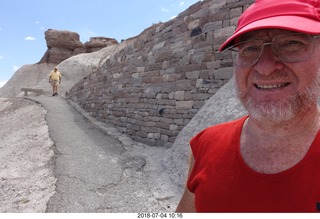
(268, 161)
(55, 80)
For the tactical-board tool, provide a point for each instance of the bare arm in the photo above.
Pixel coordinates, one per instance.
(186, 203)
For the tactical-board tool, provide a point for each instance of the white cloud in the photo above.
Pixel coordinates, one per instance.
(38, 23)
(181, 4)
(15, 68)
(1, 57)
(29, 38)
(165, 10)
(2, 83)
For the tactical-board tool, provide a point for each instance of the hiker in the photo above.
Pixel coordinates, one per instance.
(55, 80)
(269, 160)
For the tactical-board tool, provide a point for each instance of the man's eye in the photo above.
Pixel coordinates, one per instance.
(247, 50)
(294, 42)
(251, 48)
(292, 45)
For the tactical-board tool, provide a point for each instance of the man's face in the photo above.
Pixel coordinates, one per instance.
(275, 90)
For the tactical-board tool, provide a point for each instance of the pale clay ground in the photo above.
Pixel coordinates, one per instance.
(27, 179)
(26, 157)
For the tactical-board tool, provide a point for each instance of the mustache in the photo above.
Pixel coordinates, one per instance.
(275, 75)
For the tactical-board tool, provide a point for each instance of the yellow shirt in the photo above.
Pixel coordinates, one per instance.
(55, 76)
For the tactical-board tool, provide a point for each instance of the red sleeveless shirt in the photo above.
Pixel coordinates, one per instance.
(222, 182)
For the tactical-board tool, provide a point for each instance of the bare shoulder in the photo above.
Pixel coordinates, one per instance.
(186, 203)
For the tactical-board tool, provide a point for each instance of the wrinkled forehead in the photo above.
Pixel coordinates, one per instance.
(263, 33)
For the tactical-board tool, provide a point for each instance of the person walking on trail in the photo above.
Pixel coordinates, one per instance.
(55, 80)
(269, 160)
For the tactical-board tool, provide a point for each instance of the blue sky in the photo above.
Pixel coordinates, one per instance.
(23, 23)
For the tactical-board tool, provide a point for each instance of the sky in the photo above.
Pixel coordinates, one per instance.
(23, 23)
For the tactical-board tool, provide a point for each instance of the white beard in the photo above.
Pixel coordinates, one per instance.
(283, 110)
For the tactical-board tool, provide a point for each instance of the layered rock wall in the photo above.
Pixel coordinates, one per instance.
(154, 86)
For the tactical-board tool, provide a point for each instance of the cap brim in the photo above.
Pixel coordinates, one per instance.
(293, 23)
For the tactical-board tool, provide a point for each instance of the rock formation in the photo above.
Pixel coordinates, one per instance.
(61, 45)
(65, 44)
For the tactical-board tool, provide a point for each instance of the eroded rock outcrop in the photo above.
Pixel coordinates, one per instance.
(61, 45)
(64, 44)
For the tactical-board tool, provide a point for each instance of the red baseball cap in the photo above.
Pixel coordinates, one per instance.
(295, 15)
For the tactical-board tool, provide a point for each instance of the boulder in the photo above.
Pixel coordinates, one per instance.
(61, 46)
(62, 39)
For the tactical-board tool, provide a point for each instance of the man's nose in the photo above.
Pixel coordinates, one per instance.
(268, 62)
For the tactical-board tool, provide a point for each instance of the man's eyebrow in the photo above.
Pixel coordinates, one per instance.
(246, 36)
(258, 34)
(253, 36)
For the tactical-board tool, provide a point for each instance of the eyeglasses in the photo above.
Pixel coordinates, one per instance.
(295, 47)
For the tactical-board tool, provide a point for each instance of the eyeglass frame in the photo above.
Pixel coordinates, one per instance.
(255, 61)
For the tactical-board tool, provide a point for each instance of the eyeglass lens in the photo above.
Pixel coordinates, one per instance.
(288, 48)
